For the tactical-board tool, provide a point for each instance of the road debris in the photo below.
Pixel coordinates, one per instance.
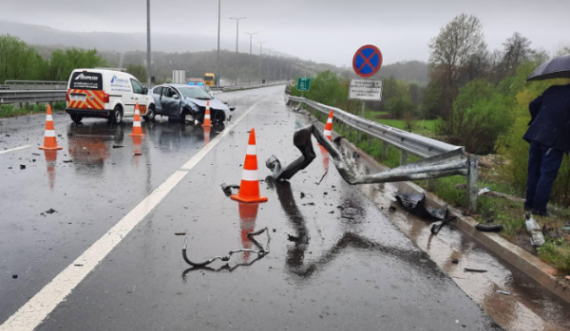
(536, 236)
(118, 146)
(261, 251)
(503, 292)
(489, 227)
(416, 204)
(67, 161)
(228, 189)
(181, 233)
(293, 238)
(436, 227)
(474, 270)
(51, 211)
(14, 276)
(22, 166)
(455, 261)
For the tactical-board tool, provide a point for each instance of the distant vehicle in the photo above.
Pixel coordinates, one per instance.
(186, 103)
(105, 93)
(210, 79)
(195, 80)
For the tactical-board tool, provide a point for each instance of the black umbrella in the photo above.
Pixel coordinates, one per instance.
(556, 68)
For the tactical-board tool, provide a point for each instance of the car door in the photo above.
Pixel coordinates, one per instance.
(156, 94)
(170, 101)
(139, 96)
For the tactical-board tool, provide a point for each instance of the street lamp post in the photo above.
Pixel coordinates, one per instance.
(261, 60)
(261, 47)
(148, 44)
(237, 29)
(250, 41)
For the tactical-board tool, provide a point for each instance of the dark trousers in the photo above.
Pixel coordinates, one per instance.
(543, 165)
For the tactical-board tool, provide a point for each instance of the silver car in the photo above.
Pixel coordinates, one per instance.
(187, 103)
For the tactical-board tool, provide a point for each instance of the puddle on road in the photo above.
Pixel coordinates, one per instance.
(528, 307)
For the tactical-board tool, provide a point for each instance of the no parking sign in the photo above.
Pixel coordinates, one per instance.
(367, 61)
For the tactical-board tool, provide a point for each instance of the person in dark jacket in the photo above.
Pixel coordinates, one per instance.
(549, 138)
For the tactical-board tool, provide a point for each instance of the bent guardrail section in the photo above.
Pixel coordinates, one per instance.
(407, 142)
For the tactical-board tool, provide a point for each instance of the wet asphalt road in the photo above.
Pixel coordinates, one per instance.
(350, 268)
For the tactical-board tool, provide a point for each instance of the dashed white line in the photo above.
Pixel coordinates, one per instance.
(15, 149)
(35, 311)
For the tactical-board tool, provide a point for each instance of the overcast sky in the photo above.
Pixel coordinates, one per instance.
(322, 30)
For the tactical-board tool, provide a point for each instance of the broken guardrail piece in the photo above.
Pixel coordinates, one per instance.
(447, 164)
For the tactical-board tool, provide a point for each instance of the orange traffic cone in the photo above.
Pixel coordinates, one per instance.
(328, 126)
(207, 134)
(50, 143)
(207, 121)
(248, 216)
(137, 129)
(249, 188)
(51, 158)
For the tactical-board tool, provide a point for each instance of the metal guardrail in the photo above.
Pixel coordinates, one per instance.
(250, 86)
(407, 142)
(34, 96)
(35, 84)
(31, 96)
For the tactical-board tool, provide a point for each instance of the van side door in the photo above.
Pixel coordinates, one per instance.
(139, 96)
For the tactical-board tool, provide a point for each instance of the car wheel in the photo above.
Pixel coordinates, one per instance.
(186, 116)
(116, 115)
(150, 114)
(76, 118)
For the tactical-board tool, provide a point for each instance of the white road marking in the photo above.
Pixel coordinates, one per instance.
(35, 311)
(15, 149)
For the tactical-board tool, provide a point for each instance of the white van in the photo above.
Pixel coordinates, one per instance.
(105, 93)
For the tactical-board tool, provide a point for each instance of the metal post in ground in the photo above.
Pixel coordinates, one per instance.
(404, 157)
(360, 134)
(384, 150)
(472, 183)
(369, 141)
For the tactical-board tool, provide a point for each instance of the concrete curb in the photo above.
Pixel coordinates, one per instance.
(512, 254)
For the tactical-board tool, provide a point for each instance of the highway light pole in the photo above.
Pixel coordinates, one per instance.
(250, 41)
(237, 30)
(148, 44)
(261, 47)
(219, 17)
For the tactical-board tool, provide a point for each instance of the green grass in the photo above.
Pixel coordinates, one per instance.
(556, 252)
(11, 111)
(423, 127)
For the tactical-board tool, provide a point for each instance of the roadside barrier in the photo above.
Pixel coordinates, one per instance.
(249, 188)
(50, 142)
(207, 120)
(137, 129)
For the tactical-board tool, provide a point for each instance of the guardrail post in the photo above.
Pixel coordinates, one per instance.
(384, 150)
(359, 136)
(472, 176)
(369, 140)
(404, 157)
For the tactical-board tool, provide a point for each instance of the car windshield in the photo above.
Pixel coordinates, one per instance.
(195, 93)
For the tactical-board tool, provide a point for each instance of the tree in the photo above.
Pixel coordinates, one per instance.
(138, 71)
(18, 60)
(459, 44)
(516, 51)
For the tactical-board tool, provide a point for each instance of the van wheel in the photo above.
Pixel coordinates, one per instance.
(150, 114)
(116, 115)
(76, 118)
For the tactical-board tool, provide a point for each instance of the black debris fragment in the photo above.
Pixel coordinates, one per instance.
(22, 166)
(181, 233)
(51, 211)
(416, 204)
(302, 195)
(293, 238)
(67, 161)
(118, 146)
(14, 276)
(474, 270)
(228, 189)
(489, 227)
(455, 261)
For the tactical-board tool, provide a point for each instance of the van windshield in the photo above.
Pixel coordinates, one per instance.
(196, 93)
(83, 80)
